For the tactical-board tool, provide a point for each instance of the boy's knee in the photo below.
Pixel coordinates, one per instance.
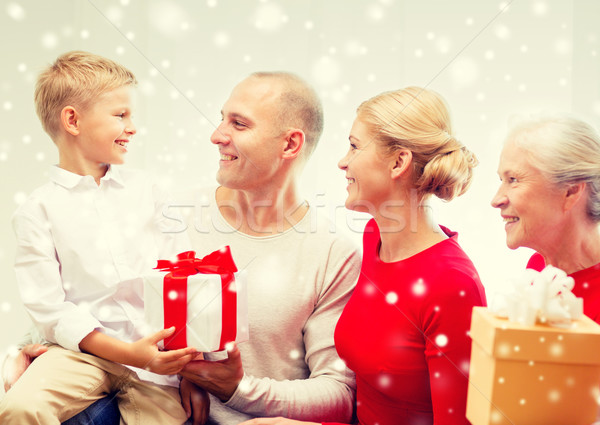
(16, 408)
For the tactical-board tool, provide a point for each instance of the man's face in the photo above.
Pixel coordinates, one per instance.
(249, 138)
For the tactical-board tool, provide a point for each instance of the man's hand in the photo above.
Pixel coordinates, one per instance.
(14, 366)
(145, 354)
(195, 402)
(220, 378)
(276, 421)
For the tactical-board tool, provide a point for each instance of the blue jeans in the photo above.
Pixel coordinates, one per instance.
(103, 412)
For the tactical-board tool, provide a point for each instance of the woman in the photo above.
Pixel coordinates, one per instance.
(404, 330)
(549, 197)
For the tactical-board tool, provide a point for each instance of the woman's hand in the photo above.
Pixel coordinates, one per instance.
(195, 402)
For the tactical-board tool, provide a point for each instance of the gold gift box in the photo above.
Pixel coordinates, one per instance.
(533, 375)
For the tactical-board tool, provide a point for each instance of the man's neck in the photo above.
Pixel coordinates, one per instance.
(261, 213)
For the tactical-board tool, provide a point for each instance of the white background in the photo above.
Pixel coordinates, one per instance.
(490, 59)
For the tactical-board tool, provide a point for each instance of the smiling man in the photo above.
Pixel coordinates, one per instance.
(300, 275)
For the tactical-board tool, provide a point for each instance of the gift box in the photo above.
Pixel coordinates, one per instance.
(205, 299)
(529, 375)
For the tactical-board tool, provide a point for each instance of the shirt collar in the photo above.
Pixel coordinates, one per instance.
(69, 180)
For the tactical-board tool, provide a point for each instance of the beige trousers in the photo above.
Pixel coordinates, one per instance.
(61, 383)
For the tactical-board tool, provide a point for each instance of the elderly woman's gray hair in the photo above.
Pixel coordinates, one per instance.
(566, 150)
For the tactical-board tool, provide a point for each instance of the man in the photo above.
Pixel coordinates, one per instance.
(300, 275)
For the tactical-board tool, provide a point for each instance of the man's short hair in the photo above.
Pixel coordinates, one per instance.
(76, 78)
(300, 107)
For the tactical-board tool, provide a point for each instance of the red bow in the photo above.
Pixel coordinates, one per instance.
(175, 293)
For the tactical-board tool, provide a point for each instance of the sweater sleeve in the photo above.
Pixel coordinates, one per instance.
(329, 391)
(448, 346)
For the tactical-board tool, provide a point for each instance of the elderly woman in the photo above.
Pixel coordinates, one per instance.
(404, 330)
(549, 198)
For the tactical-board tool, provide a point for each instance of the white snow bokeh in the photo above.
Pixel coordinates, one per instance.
(464, 71)
(326, 71)
(269, 17)
(419, 287)
(15, 11)
(49, 40)
(167, 17)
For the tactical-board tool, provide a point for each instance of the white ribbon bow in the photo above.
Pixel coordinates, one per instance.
(544, 297)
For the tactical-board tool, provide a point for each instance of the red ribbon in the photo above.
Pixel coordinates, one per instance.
(175, 293)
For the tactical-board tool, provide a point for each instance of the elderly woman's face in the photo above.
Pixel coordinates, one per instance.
(531, 206)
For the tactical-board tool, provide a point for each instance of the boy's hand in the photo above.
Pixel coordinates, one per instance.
(146, 355)
(195, 401)
(16, 365)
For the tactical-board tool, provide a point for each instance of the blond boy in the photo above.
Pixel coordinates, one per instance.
(83, 240)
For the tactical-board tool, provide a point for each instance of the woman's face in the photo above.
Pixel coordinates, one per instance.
(531, 206)
(368, 171)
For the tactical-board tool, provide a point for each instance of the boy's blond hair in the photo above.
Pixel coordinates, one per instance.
(76, 78)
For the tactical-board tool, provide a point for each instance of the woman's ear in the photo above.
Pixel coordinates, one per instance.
(574, 193)
(294, 141)
(402, 161)
(69, 120)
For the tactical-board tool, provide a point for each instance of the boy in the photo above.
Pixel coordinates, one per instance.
(84, 239)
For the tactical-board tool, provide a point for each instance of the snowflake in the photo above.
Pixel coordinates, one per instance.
(269, 17)
(221, 39)
(502, 32)
(375, 13)
(419, 287)
(539, 8)
(15, 11)
(326, 70)
(19, 197)
(441, 340)
(464, 71)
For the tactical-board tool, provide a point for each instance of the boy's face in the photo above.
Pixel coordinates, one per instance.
(106, 127)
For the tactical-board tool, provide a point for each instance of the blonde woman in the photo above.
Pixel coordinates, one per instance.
(404, 330)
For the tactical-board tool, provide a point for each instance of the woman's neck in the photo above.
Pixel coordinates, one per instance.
(406, 231)
(578, 249)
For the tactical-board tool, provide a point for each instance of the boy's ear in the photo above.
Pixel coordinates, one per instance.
(402, 160)
(294, 140)
(69, 120)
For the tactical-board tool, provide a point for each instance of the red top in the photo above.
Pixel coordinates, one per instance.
(587, 285)
(404, 334)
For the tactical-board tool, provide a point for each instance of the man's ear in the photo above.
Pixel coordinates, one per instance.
(69, 120)
(574, 193)
(402, 159)
(294, 140)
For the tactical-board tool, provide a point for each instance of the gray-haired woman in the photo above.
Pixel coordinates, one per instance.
(549, 198)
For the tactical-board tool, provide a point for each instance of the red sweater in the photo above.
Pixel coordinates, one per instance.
(587, 285)
(404, 334)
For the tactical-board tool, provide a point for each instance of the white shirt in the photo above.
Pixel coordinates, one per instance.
(81, 250)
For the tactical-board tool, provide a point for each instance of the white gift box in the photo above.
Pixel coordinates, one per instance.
(204, 322)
